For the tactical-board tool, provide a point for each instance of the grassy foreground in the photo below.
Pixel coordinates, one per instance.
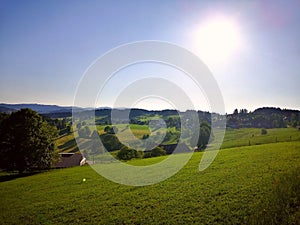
(236, 189)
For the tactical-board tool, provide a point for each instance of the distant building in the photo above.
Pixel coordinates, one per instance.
(70, 160)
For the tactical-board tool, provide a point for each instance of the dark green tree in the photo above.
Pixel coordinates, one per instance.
(127, 153)
(158, 151)
(111, 142)
(84, 132)
(236, 112)
(26, 142)
(145, 136)
(204, 135)
(110, 130)
(96, 146)
(3, 116)
(69, 129)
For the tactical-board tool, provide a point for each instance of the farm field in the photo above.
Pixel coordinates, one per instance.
(240, 187)
(233, 137)
(67, 143)
(253, 136)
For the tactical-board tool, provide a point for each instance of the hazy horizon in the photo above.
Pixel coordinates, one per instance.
(148, 108)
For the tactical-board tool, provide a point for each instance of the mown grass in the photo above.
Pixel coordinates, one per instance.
(230, 191)
(253, 136)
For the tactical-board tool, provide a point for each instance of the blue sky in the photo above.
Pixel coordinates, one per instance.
(45, 46)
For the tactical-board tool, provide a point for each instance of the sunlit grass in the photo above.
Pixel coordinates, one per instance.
(253, 136)
(228, 192)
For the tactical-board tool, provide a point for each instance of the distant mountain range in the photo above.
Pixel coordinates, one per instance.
(42, 109)
(56, 109)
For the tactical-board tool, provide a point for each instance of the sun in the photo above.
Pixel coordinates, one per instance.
(217, 40)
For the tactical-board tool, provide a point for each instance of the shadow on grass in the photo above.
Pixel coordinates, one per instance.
(69, 144)
(15, 175)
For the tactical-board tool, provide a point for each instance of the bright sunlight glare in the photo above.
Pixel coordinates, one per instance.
(217, 40)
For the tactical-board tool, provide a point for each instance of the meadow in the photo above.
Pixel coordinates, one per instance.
(253, 136)
(244, 185)
(233, 137)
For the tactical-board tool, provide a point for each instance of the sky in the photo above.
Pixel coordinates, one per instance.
(251, 48)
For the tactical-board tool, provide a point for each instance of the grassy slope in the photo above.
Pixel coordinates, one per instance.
(226, 193)
(66, 143)
(241, 137)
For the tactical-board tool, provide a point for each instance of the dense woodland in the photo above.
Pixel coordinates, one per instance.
(264, 118)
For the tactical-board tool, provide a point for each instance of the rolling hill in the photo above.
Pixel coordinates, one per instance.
(245, 185)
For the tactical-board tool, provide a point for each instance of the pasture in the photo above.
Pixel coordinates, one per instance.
(253, 136)
(240, 187)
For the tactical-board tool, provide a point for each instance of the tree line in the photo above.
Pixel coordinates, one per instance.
(267, 117)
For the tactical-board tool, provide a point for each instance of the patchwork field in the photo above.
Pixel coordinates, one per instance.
(244, 185)
(233, 137)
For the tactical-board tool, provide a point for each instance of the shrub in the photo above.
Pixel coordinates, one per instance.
(145, 136)
(147, 155)
(264, 131)
(158, 151)
(126, 153)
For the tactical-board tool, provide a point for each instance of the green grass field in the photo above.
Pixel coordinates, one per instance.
(253, 136)
(238, 188)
